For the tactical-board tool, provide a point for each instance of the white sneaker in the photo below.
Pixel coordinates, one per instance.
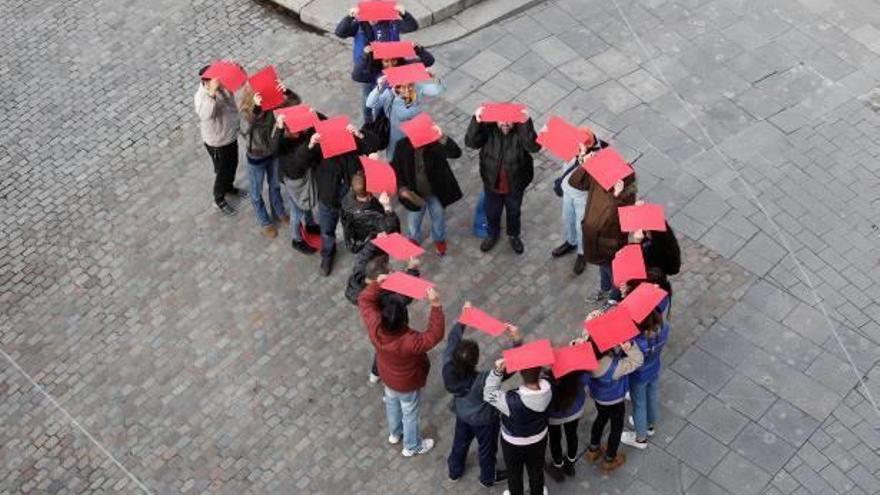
(627, 397)
(374, 379)
(632, 424)
(629, 438)
(393, 439)
(505, 492)
(427, 445)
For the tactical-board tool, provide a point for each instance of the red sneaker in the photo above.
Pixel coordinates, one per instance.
(440, 247)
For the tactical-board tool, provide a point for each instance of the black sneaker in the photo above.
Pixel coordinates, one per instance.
(302, 247)
(568, 467)
(580, 263)
(488, 243)
(554, 472)
(239, 192)
(327, 265)
(500, 476)
(224, 208)
(562, 250)
(313, 228)
(516, 244)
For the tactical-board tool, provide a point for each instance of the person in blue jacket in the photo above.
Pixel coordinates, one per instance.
(365, 33)
(400, 104)
(474, 418)
(566, 410)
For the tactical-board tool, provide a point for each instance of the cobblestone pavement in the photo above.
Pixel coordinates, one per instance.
(208, 359)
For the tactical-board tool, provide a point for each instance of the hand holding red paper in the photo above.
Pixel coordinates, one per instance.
(531, 355)
(407, 285)
(561, 138)
(297, 118)
(607, 167)
(578, 357)
(503, 112)
(611, 328)
(380, 176)
(334, 137)
(230, 74)
(265, 82)
(377, 11)
(644, 216)
(640, 302)
(398, 246)
(628, 264)
(474, 317)
(421, 130)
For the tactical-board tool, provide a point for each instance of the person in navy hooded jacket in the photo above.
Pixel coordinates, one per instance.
(365, 33)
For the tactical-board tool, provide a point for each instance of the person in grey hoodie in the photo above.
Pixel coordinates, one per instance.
(524, 420)
(474, 417)
(218, 122)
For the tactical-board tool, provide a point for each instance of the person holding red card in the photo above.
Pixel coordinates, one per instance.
(399, 104)
(426, 183)
(608, 387)
(365, 32)
(474, 417)
(402, 360)
(506, 168)
(566, 410)
(660, 248)
(363, 215)
(574, 203)
(219, 124)
(601, 224)
(371, 66)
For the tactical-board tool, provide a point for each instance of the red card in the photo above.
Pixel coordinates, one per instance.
(642, 217)
(298, 118)
(611, 328)
(231, 75)
(574, 358)
(380, 176)
(607, 166)
(644, 299)
(393, 49)
(265, 82)
(313, 240)
(377, 11)
(562, 139)
(335, 138)
(398, 246)
(628, 264)
(531, 355)
(503, 112)
(420, 130)
(406, 284)
(478, 319)
(406, 74)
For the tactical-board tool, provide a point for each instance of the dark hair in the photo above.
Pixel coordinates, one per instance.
(292, 97)
(599, 354)
(651, 323)
(391, 224)
(378, 265)
(465, 358)
(203, 70)
(531, 375)
(565, 391)
(654, 276)
(395, 316)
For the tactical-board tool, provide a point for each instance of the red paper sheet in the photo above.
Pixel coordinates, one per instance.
(313, 240)
(298, 118)
(531, 355)
(642, 217)
(393, 49)
(562, 139)
(231, 76)
(640, 302)
(573, 358)
(503, 112)
(611, 328)
(265, 82)
(478, 319)
(403, 283)
(607, 166)
(406, 74)
(380, 176)
(377, 11)
(398, 246)
(335, 138)
(628, 264)
(420, 130)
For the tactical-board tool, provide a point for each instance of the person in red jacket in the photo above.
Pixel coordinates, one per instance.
(402, 359)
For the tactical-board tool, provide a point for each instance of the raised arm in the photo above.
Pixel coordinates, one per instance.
(426, 57)
(633, 361)
(408, 23)
(477, 134)
(347, 27)
(528, 136)
(493, 394)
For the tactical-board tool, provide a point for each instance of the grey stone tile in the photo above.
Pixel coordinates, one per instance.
(531, 68)
(790, 384)
(718, 420)
(789, 422)
(642, 84)
(770, 300)
(583, 41)
(679, 395)
(747, 397)
(833, 372)
(583, 73)
(706, 371)
(722, 241)
(812, 457)
(809, 323)
(542, 95)
(614, 63)
(697, 449)
(505, 86)
(484, 65)
(510, 47)
(740, 476)
(763, 448)
(707, 207)
(614, 96)
(789, 347)
(726, 345)
(811, 480)
(554, 51)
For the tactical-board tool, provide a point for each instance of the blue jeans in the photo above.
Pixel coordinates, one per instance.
(645, 404)
(481, 225)
(605, 280)
(402, 411)
(258, 171)
(368, 112)
(438, 221)
(297, 215)
(487, 441)
(328, 218)
(573, 209)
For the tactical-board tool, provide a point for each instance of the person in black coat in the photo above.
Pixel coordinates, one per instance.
(507, 168)
(364, 215)
(426, 182)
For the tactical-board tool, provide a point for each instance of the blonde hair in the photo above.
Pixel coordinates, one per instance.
(247, 99)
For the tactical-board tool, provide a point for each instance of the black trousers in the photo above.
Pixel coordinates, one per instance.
(571, 440)
(615, 414)
(530, 457)
(225, 160)
(511, 203)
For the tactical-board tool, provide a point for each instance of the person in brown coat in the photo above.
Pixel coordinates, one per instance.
(601, 225)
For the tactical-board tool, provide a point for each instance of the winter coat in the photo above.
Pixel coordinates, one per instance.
(365, 33)
(369, 69)
(357, 279)
(601, 225)
(362, 220)
(513, 151)
(435, 155)
(218, 116)
(333, 175)
(661, 250)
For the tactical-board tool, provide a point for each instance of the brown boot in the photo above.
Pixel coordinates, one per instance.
(270, 231)
(594, 455)
(614, 463)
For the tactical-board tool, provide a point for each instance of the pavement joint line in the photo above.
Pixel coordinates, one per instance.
(75, 423)
(748, 189)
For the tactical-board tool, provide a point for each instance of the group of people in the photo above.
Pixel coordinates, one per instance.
(313, 193)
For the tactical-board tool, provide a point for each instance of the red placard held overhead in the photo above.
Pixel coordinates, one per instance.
(531, 355)
(573, 358)
(380, 176)
(407, 285)
(420, 130)
(607, 166)
(504, 112)
(628, 264)
(611, 328)
(265, 82)
(642, 217)
(406, 74)
(377, 11)
(480, 320)
(297, 118)
(335, 138)
(640, 302)
(393, 49)
(398, 246)
(231, 75)
(562, 139)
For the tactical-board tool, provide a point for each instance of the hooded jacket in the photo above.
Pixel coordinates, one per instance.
(333, 175)
(368, 69)
(218, 116)
(365, 33)
(601, 224)
(576, 409)
(608, 383)
(524, 412)
(435, 155)
(512, 151)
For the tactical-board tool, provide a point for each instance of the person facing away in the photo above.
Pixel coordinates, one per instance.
(365, 33)
(219, 126)
(474, 417)
(402, 359)
(566, 410)
(400, 104)
(426, 183)
(506, 168)
(524, 420)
